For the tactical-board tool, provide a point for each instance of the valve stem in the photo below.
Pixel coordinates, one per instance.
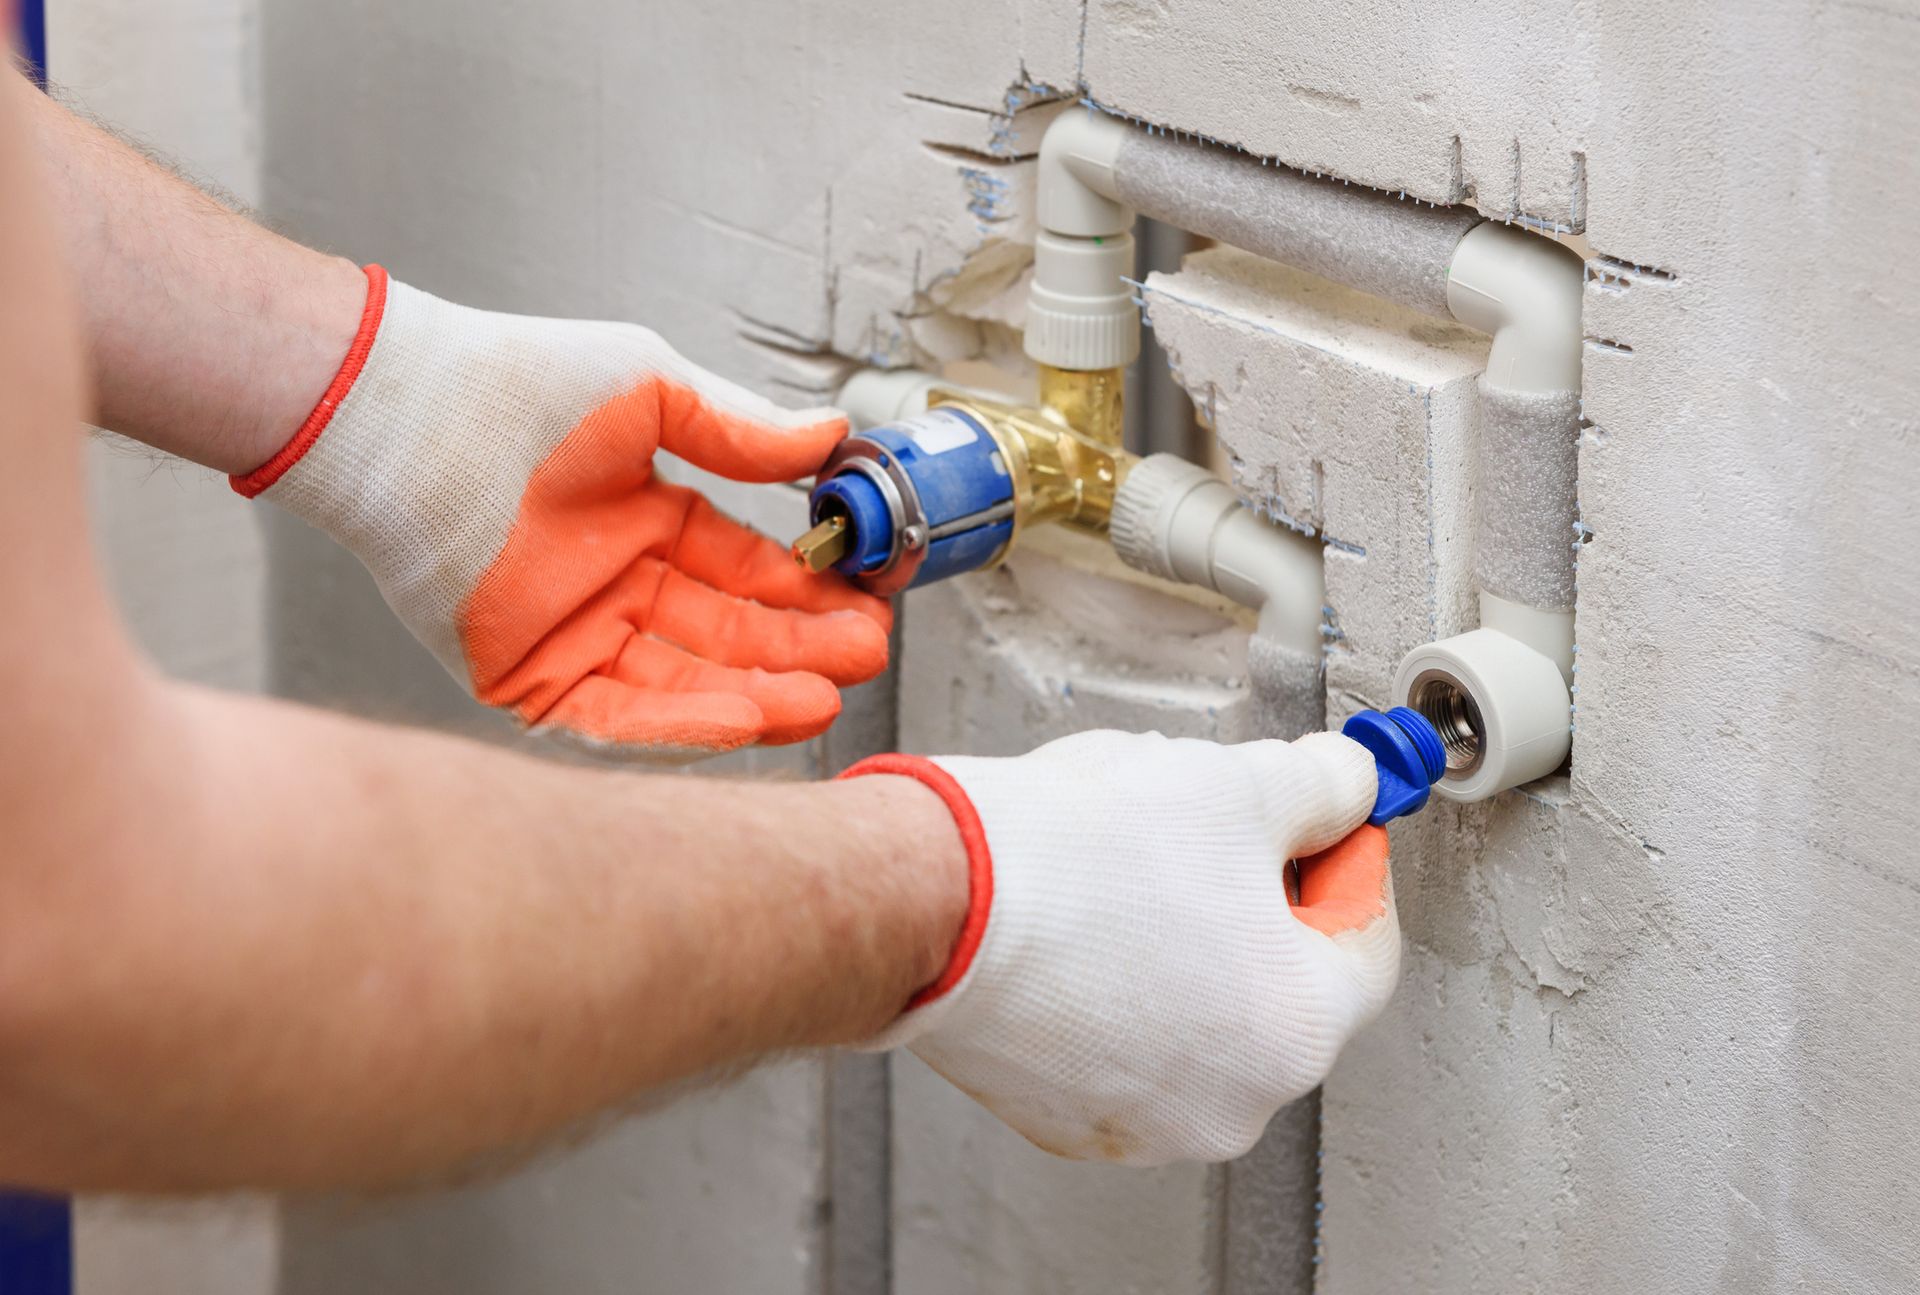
(822, 546)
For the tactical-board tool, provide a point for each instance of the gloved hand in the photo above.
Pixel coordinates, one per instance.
(494, 473)
(1132, 982)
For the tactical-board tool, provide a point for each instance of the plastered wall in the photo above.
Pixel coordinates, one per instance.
(1656, 1030)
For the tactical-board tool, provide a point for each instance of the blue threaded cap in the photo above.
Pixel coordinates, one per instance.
(1406, 750)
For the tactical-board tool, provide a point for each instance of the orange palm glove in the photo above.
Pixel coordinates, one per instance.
(495, 474)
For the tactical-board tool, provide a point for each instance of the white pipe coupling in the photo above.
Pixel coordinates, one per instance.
(1502, 710)
(1176, 520)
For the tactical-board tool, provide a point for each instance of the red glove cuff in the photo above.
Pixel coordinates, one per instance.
(289, 454)
(973, 835)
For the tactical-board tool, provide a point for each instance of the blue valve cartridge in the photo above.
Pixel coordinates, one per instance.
(922, 499)
(1408, 753)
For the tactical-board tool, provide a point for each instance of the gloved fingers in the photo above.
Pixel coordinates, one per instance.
(720, 552)
(713, 424)
(1362, 963)
(847, 647)
(1313, 791)
(794, 705)
(1344, 887)
(606, 712)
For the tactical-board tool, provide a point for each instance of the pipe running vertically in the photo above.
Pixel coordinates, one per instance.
(1500, 694)
(1083, 327)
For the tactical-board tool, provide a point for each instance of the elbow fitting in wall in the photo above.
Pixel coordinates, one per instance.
(1176, 520)
(1524, 290)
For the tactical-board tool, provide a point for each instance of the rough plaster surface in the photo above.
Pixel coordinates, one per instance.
(1656, 1030)
(1464, 101)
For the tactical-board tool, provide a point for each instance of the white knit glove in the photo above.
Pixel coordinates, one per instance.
(1133, 982)
(495, 474)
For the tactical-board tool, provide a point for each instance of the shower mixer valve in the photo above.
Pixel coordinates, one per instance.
(950, 490)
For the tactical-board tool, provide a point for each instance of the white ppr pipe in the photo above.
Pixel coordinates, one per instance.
(1078, 194)
(872, 397)
(1176, 520)
(1500, 708)
(1501, 694)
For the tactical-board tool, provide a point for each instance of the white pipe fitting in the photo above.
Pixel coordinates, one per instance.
(1525, 290)
(1500, 708)
(1078, 193)
(1176, 520)
(872, 397)
(1080, 309)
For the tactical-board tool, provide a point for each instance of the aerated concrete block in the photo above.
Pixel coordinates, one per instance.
(1349, 419)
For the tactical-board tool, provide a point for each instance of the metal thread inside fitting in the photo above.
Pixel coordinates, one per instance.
(1450, 708)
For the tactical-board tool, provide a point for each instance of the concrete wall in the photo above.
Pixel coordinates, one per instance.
(1657, 1026)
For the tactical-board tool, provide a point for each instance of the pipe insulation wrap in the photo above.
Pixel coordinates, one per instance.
(1361, 237)
(1529, 450)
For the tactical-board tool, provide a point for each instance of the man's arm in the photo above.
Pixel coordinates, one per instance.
(211, 337)
(244, 943)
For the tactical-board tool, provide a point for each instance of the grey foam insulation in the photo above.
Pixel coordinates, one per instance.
(1364, 238)
(1529, 447)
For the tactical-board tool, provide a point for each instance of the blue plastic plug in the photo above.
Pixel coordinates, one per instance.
(1407, 750)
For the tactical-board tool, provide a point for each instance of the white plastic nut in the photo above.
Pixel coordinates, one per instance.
(1502, 710)
(1080, 311)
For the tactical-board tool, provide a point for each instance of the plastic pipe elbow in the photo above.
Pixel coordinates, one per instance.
(1079, 195)
(1176, 520)
(1526, 291)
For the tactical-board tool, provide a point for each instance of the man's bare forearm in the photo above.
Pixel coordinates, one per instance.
(212, 338)
(322, 953)
(244, 943)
